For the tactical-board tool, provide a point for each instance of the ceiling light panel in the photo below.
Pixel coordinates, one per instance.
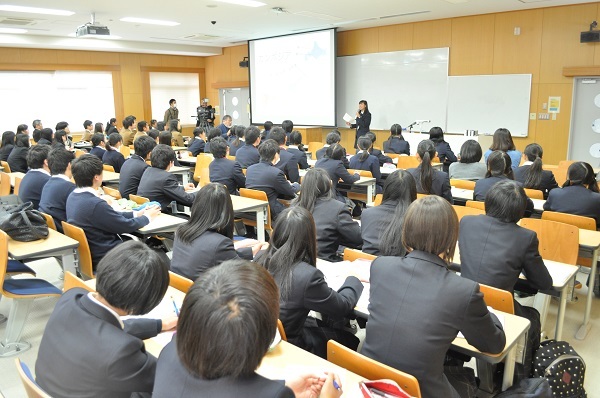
(247, 3)
(12, 30)
(149, 21)
(35, 10)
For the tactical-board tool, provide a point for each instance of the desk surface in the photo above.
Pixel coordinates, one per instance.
(589, 239)
(163, 223)
(179, 169)
(14, 175)
(467, 194)
(179, 148)
(110, 176)
(246, 204)
(54, 243)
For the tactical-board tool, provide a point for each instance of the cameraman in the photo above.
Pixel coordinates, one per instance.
(206, 115)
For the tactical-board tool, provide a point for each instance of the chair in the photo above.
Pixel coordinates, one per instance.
(32, 389)
(378, 199)
(125, 151)
(72, 281)
(79, 152)
(84, 255)
(281, 330)
(260, 195)
(49, 220)
(462, 211)
(230, 157)
(558, 241)
(580, 222)
(356, 195)
(369, 368)
(422, 195)
(112, 192)
(463, 184)
(201, 173)
(4, 184)
(6, 166)
(22, 292)
(140, 200)
(313, 147)
(179, 282)
(407, 162)
(17, 185)
(534, 193)
(498, 299)
(108, 167)
(475, 204)
(353, 254)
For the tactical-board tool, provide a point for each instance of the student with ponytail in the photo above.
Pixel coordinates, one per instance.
(428, 180)
(112, 156)
(363, 160)
(334, 165)
(531, 174)
(396, 143)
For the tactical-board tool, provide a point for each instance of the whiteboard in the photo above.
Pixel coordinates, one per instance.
(400, 87)
(488, 102)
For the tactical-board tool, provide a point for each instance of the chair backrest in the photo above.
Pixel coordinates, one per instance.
(475, 204)
(4, 184)
(3, 258)
(572, 219)
(558, 241)
(201, 172)
(179, 282)
(313, 147)
(72, 281)
(31, 387)
(463, 184)
(534, 193)
(231, 157)
(125, 151)
(108, 167)
(369, 368)
(560, 175)
(260, 195)
(353, 254)
(83, 250)
(462, 211)
(378, 199)
(362, 173)
(49, 220)
(498, 299)
(79, 152)
(564, 164)
(6, 166)
(17, 185)
(281, 330)
(140, 200)
(407, 162)
(112, 192)
(422, 195)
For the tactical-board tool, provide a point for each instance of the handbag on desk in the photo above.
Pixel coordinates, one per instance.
(23, 223)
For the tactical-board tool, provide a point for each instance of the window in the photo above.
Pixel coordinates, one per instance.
(183, 87)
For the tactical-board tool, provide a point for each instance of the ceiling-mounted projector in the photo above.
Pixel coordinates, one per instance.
(92, 29)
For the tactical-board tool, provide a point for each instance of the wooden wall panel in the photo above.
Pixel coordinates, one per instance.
(472, 49)
(396, 37)
(363, 41)
(237, 54)
(432, 34)
(31, 56)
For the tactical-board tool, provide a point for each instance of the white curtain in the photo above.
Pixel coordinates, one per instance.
(183, 87)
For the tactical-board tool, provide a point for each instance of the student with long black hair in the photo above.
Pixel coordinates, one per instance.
(430, 181)
(502, 141)
(362, 123)
(396, 142)
(531, 174)
(444, 152)
(17, 159)
(332, 162)
(468, 166)
(376, 152)
(111, 126)
(238, 141)
(177, 137)
(296, 148)
(363, 160)
(113, 156)
(60, 139)
(8, 143)
(379, 235)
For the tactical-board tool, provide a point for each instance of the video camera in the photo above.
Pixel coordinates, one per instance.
(205, 115)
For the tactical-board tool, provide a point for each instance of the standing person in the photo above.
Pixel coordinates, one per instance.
(363, 120)
(396, 142)
(502, 141)
(172, 113)
(430, 181)
(531, 174)
(444, 152)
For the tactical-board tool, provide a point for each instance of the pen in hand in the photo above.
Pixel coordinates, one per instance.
(336, 385)
(175, 306)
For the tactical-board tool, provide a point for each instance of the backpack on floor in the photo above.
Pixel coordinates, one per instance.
(529, 388)
(564, 369)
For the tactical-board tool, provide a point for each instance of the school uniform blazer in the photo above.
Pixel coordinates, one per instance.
(224, 130)
(289, 165)
(575, 199)
(336, 171)
(440, 183)
(234, 147)
(17, 160)
(31, 187)
(87, 135)
(173, 380)
(265, 177)
(197, 146)
(5, 151)
(85, 353)
(548, 182)
(373, 221)
(485, 184)
(321, 154)
(227, 172)
(445, 154)
(310, 292)
(416, 308)
(177, 138)
(515, 157)
(53, 200)
(161, 186)
(139, 134)
(206, 251)
(113, 158)
(380, 156)
(127, 136)
(44, 141)
(396, 145)
(131, 174)
(98, 151)
(370, 164)
(335, 227)
(363, 124)
(247, 155)
(299, 156)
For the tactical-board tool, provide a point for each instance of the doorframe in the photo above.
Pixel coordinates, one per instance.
(576, 80)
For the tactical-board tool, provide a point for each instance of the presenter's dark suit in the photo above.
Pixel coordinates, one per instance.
(362, 125)
(173, 380)
(54, 199)
(440, 183)
(396, 145)
(289, 165)
(445, 154)
(206, 251)
(575, 199)
(247, 155)
(85, 353)
(548, 181)
(265, 177)
(485, 184)
(371, 164)
(227, 172)
(417, 306)
(98, 151)
(373, 221)
(113, 158)
(300, 156)
(336, 171)
(197, 146)
(161, 186)
(31, 187)
(131, 174)
(17, 160)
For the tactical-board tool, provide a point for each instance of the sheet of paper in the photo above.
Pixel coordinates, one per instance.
(349, 119)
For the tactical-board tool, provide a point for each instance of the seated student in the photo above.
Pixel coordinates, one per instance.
(291, 258)
(196, 146)
(157, 184)
(160, 126)
(297, 150)
(227, 323)
(8, 143)
(98, 143)
(444, 152)
(237, 140)
(332, 163)
(87, 130)
(333, 137)
(468, 166)
(407, 287)
(111, 126)
(248, 155)
(60, 140)
(134, 167)
(287, 126)
(578, 195)
(127, 133)
(53, 200)
(223, 170)
(379, 235)
(86, 349)
(46, 137)
(154, 134)
(265, 177)
(212, 134)
(98, 128)
(428, 180)
(37, 176)
(94, 215)
(502, 141)
(142, 130)
(531, 174)
(113, 156)
(376, 152)
(287, 163)
(225, 127)
(23, 129)
(494, 250)
(267, 126)
(363, 160)
(333, 220)
(206, 240)
(17, 160)
(396, 143)
(174, 127)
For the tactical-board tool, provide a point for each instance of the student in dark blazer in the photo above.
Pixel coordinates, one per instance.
(333, 137)
(8, 143)
(333, 220)
(98, 142)
(399, 191)
(46, 137)
(291, 259)
(248, 155)
(53, 200)
(494, 251)
(396, 143)
(212, 133)
(334, 166)
(531, 174)
(196, 146)
(444, 152)
(287, 162)
(363, 120)
(237, 140)
(297, 150)
(37, 176)
(113, 157)
(363, 160)
(430, 181)
(376, 152)
(432, 302)
(223, 170)
(86, 349)
(17, 160)
(265, 177)
(157, 184)
(578, 195)
(94, 215)
(134, 167)
(228, 321)
(206, 240)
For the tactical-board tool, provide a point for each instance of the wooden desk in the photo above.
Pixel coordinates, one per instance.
(110, 176)
(183, 171)
(589, 241)
(56, 244)
(259, 207)
(13, 176)
(179, 148)
(189, 161)
(467, 194)
(162, 224)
